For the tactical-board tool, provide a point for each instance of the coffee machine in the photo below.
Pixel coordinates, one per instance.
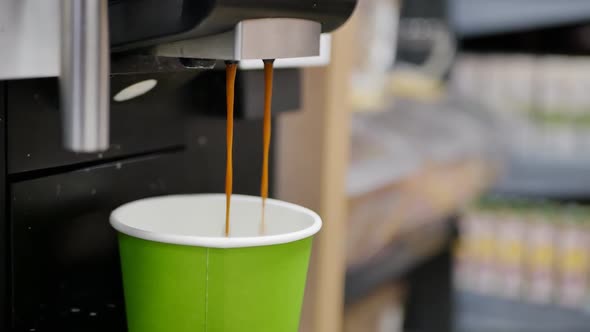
(105, 102)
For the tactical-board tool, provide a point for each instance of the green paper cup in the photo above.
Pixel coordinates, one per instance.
(180, 273)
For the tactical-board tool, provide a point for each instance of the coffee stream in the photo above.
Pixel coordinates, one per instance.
(230, 80)
(268, 71)
(231, 68)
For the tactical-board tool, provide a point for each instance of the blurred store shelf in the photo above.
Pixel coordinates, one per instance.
(413, 167)
(544, 104)
(546, 178)
(474, 18)
(481, 313)
(406, 137)
(404, 253)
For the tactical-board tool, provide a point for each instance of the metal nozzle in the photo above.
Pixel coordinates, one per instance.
(266, 38)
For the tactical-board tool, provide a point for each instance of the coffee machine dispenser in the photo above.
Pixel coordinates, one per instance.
(104, 102)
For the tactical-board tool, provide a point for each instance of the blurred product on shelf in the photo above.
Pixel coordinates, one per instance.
(531, 251)
(546, 96)
(412, 166)
(427, 48)
(573, 255)
(377, 35)
(409, 83)
(401, 53)
(510, 253)
(542, 258)
(381, 311)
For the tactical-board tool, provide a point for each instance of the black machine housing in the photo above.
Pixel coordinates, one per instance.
(59, 264)
(136, 23)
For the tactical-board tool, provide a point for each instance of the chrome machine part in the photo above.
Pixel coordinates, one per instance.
(267, 38)
(84, 75)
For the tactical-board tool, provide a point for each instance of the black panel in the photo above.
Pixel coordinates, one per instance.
(3, 216)
(569, 39)
(66, 270)
(205, 161)
(209, 92)
(147, 123)
(128, 18)
(430, 305)
(432, 9)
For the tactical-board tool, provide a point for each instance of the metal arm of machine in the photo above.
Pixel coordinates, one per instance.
(84, 75)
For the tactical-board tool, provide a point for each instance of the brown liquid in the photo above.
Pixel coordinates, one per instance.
(230, 80)
(268, 71)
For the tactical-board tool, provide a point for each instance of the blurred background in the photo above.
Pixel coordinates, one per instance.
(447, 148)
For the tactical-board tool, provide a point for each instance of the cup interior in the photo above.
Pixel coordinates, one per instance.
(199, 220)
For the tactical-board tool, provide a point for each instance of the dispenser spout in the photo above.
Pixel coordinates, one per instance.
(266, 38)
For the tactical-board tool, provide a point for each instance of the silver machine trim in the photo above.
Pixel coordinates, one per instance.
(267, 38)
(84, 79)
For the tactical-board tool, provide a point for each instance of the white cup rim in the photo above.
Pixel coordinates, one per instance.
(216, 241)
